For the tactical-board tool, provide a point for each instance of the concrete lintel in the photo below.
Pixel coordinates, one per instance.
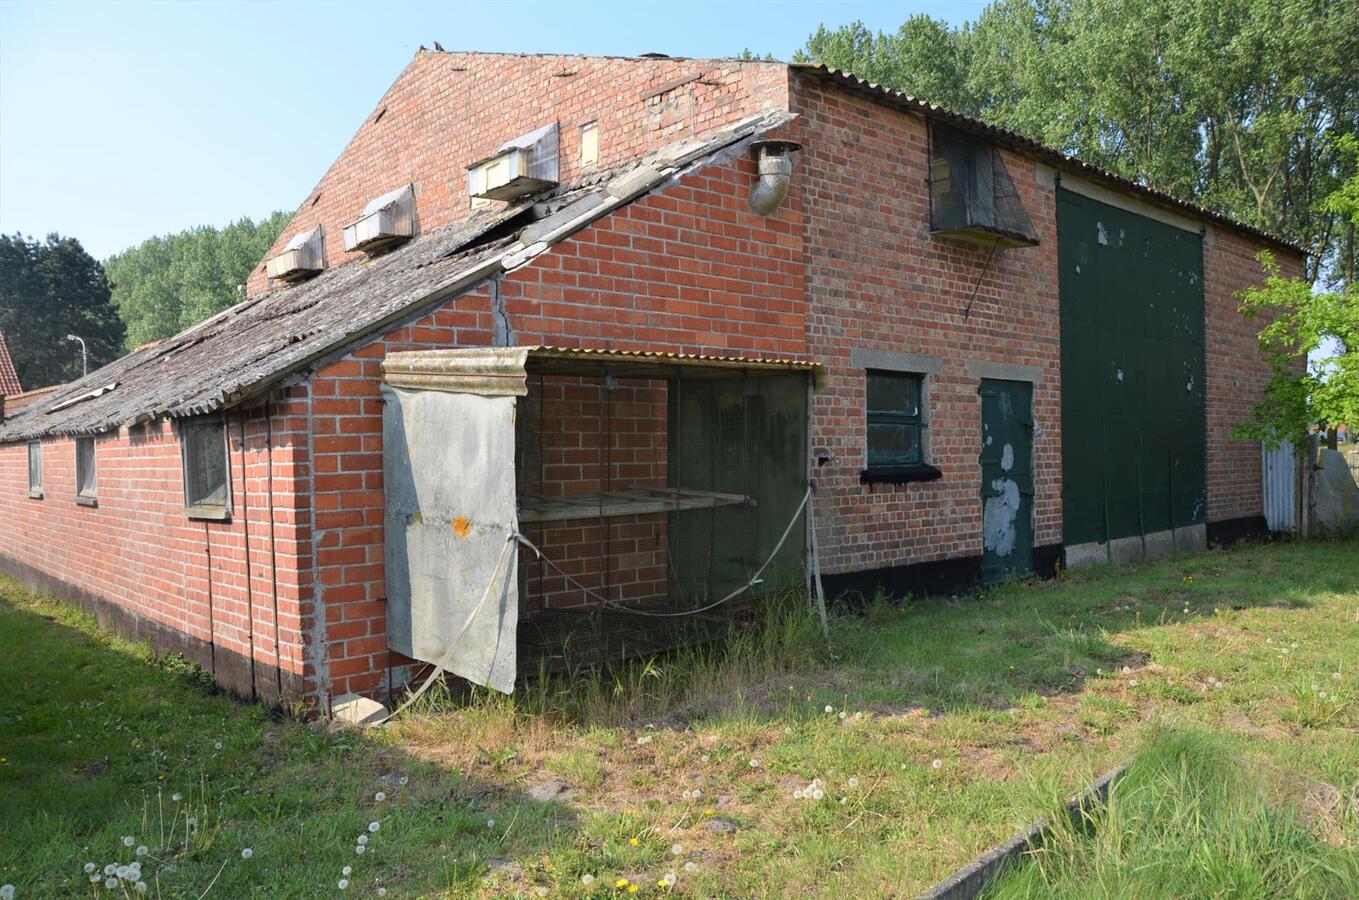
(896, 361)
(980, 368)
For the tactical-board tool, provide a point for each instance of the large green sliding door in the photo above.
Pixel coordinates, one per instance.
(1133, 411)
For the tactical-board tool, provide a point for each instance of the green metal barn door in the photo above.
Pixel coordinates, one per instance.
(1007, 479)
(1133, 401)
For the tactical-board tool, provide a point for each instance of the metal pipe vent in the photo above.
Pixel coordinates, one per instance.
(775, 160)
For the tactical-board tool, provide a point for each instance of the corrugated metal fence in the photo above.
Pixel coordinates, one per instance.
(1279, 472)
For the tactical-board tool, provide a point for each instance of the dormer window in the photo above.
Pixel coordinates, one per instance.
(972, 197)
(385, 221)
(525, 165)
(302, 257)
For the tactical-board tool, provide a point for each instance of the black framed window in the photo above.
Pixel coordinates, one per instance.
(894, 420)
(35, 470)
(85, 471)
(207, 489)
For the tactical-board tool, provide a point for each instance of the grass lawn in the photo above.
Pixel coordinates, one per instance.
(779, 765)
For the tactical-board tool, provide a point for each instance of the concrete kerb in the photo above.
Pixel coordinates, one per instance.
(976, 876)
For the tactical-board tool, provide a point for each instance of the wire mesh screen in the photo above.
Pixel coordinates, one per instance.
(971, 188)
(85, 475)
(651, 500)
(205, 465)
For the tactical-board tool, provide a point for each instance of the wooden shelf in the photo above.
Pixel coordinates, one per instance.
(621, 503)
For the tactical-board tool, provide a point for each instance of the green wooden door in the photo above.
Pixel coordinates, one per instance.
(1007, 479)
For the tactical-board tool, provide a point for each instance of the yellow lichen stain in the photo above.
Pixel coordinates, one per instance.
(462, 526)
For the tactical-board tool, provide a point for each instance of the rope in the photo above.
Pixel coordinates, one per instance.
(447, 658)
(754, 579)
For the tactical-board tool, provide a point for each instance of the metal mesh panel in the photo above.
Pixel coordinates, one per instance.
(651, 499)
(85, 475)
(971, 189)
(34, 467)
(205, 465)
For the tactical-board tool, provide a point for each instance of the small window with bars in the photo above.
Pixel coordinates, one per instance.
(85, 471)
(35, 470)
(207, 488)
(894, 420)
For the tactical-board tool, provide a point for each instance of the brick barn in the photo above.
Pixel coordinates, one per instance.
(634, 308)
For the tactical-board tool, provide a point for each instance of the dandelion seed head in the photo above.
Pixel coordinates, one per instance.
(95, 878)
(343, 884)
(129, 840)
(587, 879)
(1335, 676)
(6, 892)
(374, 826)
(247, 853)
(830, 708)
(1133, 682)
(842, 715)
(176, 797)
(403, 780)
(691, 867)
(1321, 694)
(363, 839)
(142, 850)
(853, 782)
(347, 871)
(540, 891)
(676, 849)
(490, 823)
(111, 883)
(697, 793)
(379, 796)
(687, 795)
(704, 757)
(818, 794)
(90, 867)
(1127, 669)
(754, 763)
(120, 872)
(382, 892)
(360, 849)
(110, 868)
(938, 763)
(141, 887)
(217, 745)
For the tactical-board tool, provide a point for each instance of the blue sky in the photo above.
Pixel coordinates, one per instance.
(123, 120)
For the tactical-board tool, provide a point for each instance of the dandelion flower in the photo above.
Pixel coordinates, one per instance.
(691, 867)
(708, 812)
(374, 826)
(587, 879)
(344, 884)
(853, 782)
(632, 889)
(633, 841)
(676, 849)
(142, 850)
(347, 871)
(360, 849)
(621, 883)
(379, 796)
(363, 839)
(247, 853)
(938, 763)
(129, 840)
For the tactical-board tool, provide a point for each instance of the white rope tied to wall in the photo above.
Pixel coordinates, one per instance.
(514, 539)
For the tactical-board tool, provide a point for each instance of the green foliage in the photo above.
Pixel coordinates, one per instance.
(166, 284)
(49, 289)
(1236, 104)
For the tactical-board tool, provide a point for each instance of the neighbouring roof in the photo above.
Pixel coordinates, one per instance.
(242, 353)
(886, 96)
(9, 379)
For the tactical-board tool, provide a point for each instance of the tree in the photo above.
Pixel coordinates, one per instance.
(166, 284)
(1311, 341)
(1237, 104)
(49, 289)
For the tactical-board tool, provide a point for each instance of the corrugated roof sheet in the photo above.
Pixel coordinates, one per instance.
(883, 94)
(243, 352)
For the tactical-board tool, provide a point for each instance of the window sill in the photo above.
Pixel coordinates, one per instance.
(35, 495)
(87, 501)
(899, 474)
(213, 513)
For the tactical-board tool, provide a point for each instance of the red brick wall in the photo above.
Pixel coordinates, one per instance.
(145, 567)
(1236, 371)
(878, 281)
(447, 111)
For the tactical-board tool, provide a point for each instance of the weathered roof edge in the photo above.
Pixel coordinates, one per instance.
(882, 94)
(562, 219)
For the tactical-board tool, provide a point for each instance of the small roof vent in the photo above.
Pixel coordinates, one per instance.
(302, 257)
(385, 221)
(525, 165)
